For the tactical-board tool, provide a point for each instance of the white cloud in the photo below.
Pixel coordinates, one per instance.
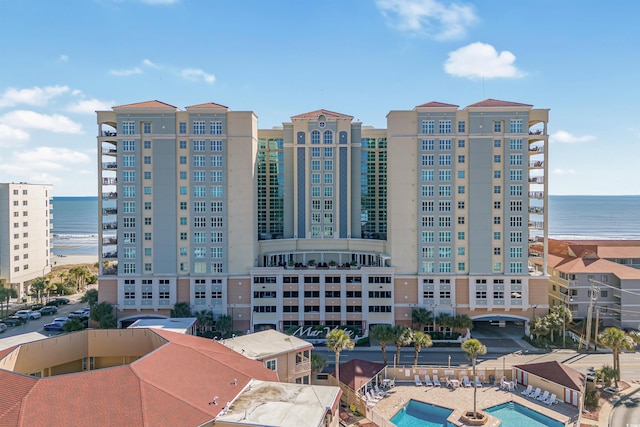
(195, 74)
(148, 63)
(63, 58)
(563, 171)
(565, 137)
(431, 17)
(25, 119)
(52, 158)
(126, 72)
(32, 96)
(482, 61)
(89, 106)
(10, 136)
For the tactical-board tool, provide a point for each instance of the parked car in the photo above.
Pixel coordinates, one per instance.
(3, 327)
(52, 309)
(54, 326)
(29, 314)
(58, 301)
(13, 321)
(62, 320)
(79, 314)
(36, 307)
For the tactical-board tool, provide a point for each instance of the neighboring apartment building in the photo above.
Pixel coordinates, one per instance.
(323, 221)
(25, 234)
(289, 356)
(608, 270)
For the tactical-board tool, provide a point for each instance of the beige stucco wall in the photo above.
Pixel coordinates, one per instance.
(239, 302)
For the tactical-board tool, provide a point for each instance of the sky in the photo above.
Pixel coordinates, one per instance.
(62, 61)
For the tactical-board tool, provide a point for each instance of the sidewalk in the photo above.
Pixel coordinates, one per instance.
(607, 407)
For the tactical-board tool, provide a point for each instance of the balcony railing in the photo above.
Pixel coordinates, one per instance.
(109, 150)
(109, 181)
(537, 164)
(536, 132)
(109, 165)
(536, 179)
(110, 254)
(536, 194)
(110, 226)
(109, 133)
(109, 196)
(109, 240)
(536, 210)
(536, 150)
(109, 211)
(304, 366)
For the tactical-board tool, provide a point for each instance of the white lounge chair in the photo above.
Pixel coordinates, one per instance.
(536, 393)
(378, 392)
(427, 381)
(477, 382)
(528, 390)
(551, 400)
(372, 397)
(465, 381)
(544, 396)
(436, 381)
(417, 380)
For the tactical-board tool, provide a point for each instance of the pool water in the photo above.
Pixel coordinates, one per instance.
(516, 415)
(420, 414)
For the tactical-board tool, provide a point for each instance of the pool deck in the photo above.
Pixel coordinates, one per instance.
(461, 400)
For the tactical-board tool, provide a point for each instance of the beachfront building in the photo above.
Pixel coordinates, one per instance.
(25, 234)
(324, 221)
(601, 274)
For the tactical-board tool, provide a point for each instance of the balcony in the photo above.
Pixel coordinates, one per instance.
(536, 165)
(109, 211)
(110, 226)
(536, 150)
(109, 181)
(108, 151)
(109, 165)
(536, 195)
(304, 366)
(537, 210)
(110, 196)
(536, 179)
(109, 133)
(110, 240)
(110, 255)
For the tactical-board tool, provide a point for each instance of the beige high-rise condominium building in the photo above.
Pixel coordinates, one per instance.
(25, 234)
(324, 221)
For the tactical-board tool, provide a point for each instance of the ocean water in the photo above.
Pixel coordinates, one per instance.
(75, 226)
(75, 220)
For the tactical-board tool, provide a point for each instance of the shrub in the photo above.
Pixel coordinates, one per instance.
(591, 399)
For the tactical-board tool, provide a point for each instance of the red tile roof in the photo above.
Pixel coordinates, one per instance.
(583, 256)
(169, 386)
(434, 104)
(315, 114)
(146, 104)
(356, 373)
(556, 372)
(498, 103)
(207, 105)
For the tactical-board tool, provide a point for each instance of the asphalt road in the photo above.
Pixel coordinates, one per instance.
(37, 324)
(626, 412)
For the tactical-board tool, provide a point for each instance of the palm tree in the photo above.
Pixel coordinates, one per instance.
(224, 325)
(421, 317)
(401, 337)
(444, 320)
(50, 287)
(555, 323)
(420, 340)
(90, 297)
(383, 333)
(102, 314)
(474, 348)
(318, 363)
(338, 340)
(616, 340)
(462, 322)
(181, 309)
(80, 274)
(5, 297)
(564, 314)
(38, 286)
(540, 327)
(205, 320)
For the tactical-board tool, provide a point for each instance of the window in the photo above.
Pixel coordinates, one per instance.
(461, 250)
(128, 128)
(444, 190)
(198, 128)
(461, 126)
(428, 126)
(461, 235)
(481, 294)
(183, 220)
(444, 160)
(515, 236)
(183, 144)
(515, 267)
(199, 176)
(515, 126)
(147, 236)
(497, 189)
(328, 137)
(461, 158)
(497, 173)
(515, 252)
(515, 144)
(129, 222)
(427, 160)
(216, 145)
(497, 158)
(515, 159)
(444, 126)
(183, 160)
(444, 174)
(182, 127)
(445, 144)
(444, 236)
(515, 221)
(497, 220)
(497, 204)
(428, 144)
(460, 204)
(515, 175)
(515, 190)
(315, 137)
(216, 161)
(147, 190)
(271, 364)
(498, 294)
(147, 175)
(147, 221)
(199, 145)
(496, 235)
(215, 128)
(497, 126)
(461, 174)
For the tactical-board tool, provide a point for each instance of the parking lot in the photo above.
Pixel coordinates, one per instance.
(37, 325)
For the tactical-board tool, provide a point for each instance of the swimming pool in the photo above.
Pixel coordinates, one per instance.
(420, 414)
(515, 415)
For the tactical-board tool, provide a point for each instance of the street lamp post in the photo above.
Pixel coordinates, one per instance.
(565, 301)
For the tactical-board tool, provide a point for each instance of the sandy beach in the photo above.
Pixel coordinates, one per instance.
(58, 260)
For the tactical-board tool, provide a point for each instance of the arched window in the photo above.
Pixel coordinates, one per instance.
(315, 137)
(328, 137)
